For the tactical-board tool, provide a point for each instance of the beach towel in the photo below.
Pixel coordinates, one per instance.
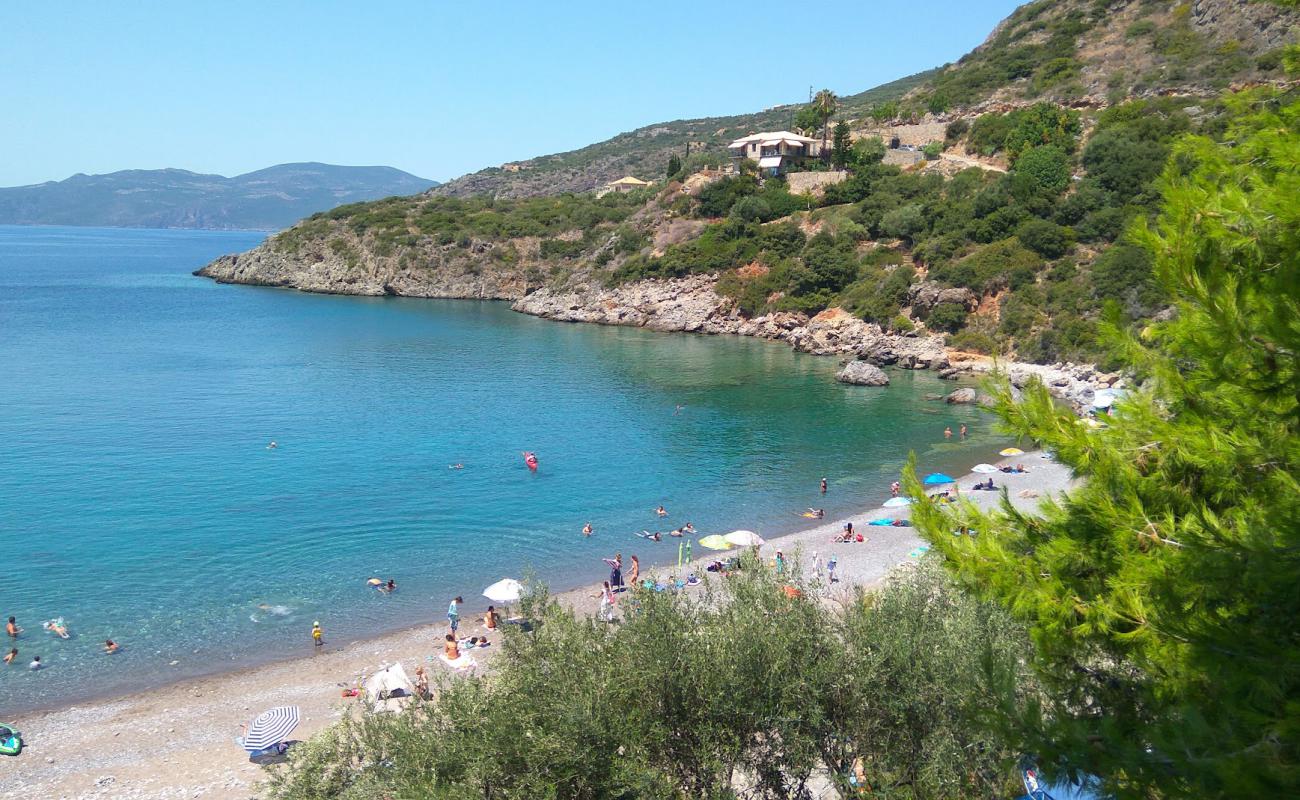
(920, 551)
(885, 521)
(466, 661)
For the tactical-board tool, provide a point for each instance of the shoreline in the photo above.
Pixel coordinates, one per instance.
(177, 739)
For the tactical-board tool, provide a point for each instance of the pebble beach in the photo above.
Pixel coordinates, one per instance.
(178, 741)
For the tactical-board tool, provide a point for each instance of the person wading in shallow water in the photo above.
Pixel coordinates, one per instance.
(823, 486)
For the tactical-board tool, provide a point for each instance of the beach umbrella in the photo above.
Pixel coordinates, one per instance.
(506, 590)
(897, 502)
(1011, 451)
(985, 469)
(271, 727)
(715, 542)
(745, 539)
(937, 478)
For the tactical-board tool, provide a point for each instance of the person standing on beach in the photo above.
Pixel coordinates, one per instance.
(607, 601)
(491, 619)
(830, 568)
(823, 486)
(453, 614)
(317, 635)
(616, 571)
(817, 565)
(634, 573)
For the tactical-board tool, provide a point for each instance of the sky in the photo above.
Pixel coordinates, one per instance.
(437, 89)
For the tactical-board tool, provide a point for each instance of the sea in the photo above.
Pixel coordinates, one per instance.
(141, 501)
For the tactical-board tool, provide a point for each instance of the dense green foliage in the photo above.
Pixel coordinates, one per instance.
(1014, 236)
(1162, 594)
(695, 694)
(409, 221)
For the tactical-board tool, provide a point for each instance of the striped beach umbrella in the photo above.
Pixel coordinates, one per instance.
(271, 727)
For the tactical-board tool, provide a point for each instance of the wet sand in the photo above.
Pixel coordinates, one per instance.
(178, 741)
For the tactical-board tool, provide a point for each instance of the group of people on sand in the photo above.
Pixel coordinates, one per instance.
(453, 643)
(57, 627)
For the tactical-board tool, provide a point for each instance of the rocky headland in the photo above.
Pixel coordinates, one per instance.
(686, 305)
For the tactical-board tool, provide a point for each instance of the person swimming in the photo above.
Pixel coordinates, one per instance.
(654, 537)
(587, 530)
(457, 465)
(11, 655)
(111, 647)
(661, 511)
(272, 445)
(387, 588)
(56, 627)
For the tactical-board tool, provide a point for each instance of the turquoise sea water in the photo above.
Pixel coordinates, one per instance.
(139, 501)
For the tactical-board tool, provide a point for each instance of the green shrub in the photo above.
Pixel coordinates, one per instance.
(973, 342)
(1046, 238)
(948, 317)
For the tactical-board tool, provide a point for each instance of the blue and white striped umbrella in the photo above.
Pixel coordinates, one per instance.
(271, 727)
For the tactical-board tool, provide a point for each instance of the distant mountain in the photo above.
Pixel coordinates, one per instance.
(268, 199)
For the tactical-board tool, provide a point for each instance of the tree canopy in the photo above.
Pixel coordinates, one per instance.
(1162, 594)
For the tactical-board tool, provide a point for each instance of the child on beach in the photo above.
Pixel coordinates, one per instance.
(317, 634)
(830, 568)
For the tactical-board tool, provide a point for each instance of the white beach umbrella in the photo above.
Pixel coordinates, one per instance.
(985, 469)
(897, 502)
(745, 539)
(506, 590)
(271, 727)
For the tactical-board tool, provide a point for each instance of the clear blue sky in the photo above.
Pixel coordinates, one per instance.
(438, 89)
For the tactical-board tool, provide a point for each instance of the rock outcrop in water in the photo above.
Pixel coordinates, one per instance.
(861, 373)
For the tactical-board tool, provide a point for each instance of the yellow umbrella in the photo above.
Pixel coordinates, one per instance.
(715, 542)
(1011, 451)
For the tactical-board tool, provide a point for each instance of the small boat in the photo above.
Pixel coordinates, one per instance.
(11, 741)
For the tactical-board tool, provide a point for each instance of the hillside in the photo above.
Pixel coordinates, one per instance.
(267, 199)
(644, 152)
(1099, 52)
(890, 264)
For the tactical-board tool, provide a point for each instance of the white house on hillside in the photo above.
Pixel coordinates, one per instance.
(775, 151)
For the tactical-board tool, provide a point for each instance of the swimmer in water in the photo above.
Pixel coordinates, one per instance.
(654, 537)
(661, 511)
(57, 627)
(111, 647)
(11, 655)
(456, 466)
(387, 588)
(678, 410)
(272, 445)
(587, 530)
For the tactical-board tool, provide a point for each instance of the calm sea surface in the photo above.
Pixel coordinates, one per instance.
(139, 500)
